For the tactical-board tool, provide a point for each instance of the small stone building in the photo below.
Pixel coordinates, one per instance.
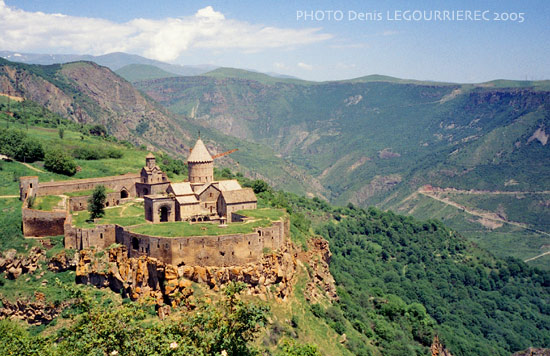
(230, 201)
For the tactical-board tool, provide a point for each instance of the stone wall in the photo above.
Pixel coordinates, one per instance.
(81, 203)
(42, 223)
(143, 189)
(116, 183)
(224, 250)
(101, 236)
(231, 208)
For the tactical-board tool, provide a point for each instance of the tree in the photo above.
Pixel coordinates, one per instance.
(61, 132)
(96, 203)
(59, 161)
(260, 186)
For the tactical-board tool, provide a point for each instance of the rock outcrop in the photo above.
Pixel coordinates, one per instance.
(533, 352)
(437, 349)
(33, 312)
(321, 283)
(148, 278)
(14, 265)
(61, 262)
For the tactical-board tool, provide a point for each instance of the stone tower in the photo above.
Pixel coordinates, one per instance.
(150, 161)
(200, 164)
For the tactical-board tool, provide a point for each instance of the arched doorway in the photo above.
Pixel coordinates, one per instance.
(123, 194)
(135, 243)
(145, 191)
(164, 212)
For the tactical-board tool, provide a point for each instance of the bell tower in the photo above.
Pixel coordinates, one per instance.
(200, 164)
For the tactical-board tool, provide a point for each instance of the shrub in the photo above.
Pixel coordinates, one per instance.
(59, 161)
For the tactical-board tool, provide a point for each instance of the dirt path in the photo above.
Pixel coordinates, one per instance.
(31, 167)
(478, 192)
(534, 258)
(487, 216)
(8, 196)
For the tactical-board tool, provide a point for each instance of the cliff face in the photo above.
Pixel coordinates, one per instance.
(146, 277)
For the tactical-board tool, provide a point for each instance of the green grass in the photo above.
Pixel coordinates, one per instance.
(11, 235)
(82, 193)
(123, 215)
(184, 228)
(47, 203)
(137, 72)
(131, 161)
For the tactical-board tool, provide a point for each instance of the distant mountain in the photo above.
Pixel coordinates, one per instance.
(376, 140)
(263, 78)
(113, 61)
(137, 72)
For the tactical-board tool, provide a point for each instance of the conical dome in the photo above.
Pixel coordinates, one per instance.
(199, 153)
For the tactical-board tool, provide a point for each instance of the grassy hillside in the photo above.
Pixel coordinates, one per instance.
(137, 72)
(236, 73)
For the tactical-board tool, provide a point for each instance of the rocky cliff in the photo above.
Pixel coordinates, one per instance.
(148, 278)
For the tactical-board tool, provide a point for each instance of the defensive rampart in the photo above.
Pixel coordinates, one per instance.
(223, 250)
(30, 186)
(116, 183)
(40, 223)
(101, 236)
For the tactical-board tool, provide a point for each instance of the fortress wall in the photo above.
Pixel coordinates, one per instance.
(101, 236)
(81, 203)
(224, 250)
(42, 223)
(117, 183)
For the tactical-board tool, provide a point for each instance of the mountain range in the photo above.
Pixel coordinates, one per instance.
(374, 140)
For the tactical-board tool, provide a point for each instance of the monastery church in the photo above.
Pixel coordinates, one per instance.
(201, 198)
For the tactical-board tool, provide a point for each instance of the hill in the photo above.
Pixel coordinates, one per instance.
(235, 73)
(87, 93)
(377, 140)
(137, 72)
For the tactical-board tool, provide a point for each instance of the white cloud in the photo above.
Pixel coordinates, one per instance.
(305, 66)
(164, 39)
(280, 65)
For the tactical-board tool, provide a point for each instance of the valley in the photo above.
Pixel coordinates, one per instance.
(458, 243)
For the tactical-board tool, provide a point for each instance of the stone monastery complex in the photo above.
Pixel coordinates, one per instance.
(200, 199)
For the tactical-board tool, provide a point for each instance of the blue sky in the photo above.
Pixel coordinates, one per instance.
(276, 36)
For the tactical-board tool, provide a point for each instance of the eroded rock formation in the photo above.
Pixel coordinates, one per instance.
(321, 283)
(33, 312)
(148, 278)
(14, 265)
